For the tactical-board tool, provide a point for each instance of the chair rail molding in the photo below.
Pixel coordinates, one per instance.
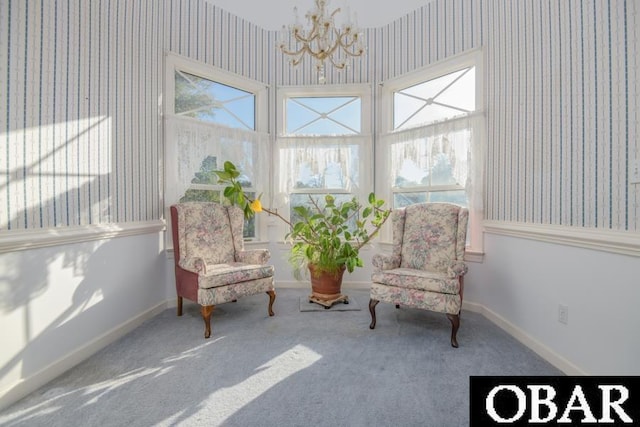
(620, 242)
(18, 240)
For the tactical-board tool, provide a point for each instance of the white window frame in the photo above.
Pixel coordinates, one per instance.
(173, 63)
(362, 91)
(471, 58)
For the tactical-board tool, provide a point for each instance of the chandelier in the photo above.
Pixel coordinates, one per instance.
(323, 40)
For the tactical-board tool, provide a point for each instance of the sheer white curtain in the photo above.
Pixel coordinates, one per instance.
(442, 156)
(323, 164)
(190, 143)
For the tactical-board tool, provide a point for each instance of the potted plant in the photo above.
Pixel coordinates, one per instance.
(326, 236)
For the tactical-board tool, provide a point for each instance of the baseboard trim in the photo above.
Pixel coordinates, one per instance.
(28, 385)
(539, 348)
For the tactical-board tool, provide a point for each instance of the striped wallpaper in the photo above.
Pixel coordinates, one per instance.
(562, 107)
(79, 123)
(438, 30)
(81, 92)
(80, 100)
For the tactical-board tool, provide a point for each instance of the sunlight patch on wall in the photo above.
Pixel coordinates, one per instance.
(56, 174)
(67, 293)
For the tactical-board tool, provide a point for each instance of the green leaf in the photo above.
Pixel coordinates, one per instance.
(223, 175)
(228, 192)
(248, 213)
(229, 166)
(302, 211)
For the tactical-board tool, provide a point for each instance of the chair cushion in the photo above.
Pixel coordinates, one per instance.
(430, 236)
(221, 294)
(417, 279)
(434, 301)
(214, 275)
(205, 232)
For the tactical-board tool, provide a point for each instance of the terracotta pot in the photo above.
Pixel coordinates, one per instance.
(326, 286)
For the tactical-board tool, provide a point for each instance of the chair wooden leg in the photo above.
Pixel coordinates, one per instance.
(272, 298)
(206, 311)
(455, 324)
(179, 306)
(372, 310)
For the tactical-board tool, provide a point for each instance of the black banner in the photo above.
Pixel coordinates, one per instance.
(524, 401)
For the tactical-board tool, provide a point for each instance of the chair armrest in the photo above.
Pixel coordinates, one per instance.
(254, 256)
(385, 262)
(457, 269)
(194, 265)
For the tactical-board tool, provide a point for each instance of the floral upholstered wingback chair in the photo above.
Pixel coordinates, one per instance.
(426, 267)
(211, 264)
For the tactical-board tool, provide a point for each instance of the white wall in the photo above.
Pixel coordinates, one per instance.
(60, 304)
(523, 281)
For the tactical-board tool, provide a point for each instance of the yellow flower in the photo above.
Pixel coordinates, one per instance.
(256, 205)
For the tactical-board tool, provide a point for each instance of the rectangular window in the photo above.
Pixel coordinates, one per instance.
(212, 116)
(434, 137)
(323, 145)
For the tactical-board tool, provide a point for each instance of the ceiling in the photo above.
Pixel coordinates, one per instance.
(273, 14)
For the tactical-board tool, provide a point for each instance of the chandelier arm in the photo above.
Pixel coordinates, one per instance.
(346, 45)
(354, 53)
(337, 65)
(313, 34)
(291, 52)
(334, 13)
(333, 48)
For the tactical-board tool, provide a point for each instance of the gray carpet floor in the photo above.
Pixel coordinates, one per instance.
(322, 367)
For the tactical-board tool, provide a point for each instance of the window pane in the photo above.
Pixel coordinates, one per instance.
(206, 173)
(250, 224)
(462, 93)
(337, 115)
(193, 195)
(197, 195)
(400, 200)
(429, 114)
(458, 197)
(437, 160)
(213, 102)
(305, 200)
(207, 176)
(438, 99)
(330, 166)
